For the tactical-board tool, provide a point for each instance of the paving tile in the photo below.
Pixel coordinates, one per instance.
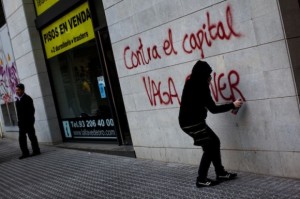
(65, 173)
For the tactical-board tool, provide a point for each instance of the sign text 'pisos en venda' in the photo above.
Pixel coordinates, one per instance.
(71, 30)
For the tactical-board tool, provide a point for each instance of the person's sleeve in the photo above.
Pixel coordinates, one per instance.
(213, 108)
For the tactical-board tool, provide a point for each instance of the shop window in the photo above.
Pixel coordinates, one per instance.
(81, 93)
(76, 74)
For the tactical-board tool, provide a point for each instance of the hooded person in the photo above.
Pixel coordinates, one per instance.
(196, 101)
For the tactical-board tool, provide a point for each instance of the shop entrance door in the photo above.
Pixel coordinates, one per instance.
(88, 94)
(116, 99)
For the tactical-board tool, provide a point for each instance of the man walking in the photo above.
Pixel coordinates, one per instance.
(25, 112)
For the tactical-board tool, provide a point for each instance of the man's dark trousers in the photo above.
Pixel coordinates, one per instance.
(30, 131)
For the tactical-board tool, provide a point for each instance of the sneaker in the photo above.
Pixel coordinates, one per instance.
(206, 183)
(226, 176)
(23, 156)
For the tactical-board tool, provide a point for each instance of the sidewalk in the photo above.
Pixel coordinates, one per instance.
(66, 173)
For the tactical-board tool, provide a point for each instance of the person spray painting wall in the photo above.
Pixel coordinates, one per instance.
(196, 100)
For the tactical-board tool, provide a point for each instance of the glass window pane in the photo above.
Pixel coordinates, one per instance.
(81, 93)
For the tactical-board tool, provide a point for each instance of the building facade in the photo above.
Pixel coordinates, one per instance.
(64, 57)
(114, 70)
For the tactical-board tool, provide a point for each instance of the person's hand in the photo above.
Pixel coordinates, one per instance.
(238, 103)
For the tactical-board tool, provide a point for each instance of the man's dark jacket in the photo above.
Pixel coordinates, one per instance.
(25, 110)
(196, 97)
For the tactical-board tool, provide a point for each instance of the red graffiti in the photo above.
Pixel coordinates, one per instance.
(140, 57)
(218, 86)
(208, 33)
(168, 45)
(155, 93)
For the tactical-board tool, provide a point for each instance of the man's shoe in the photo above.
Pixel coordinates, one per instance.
(206, 183)
(23, 156)
(226, 176)
(35, 153)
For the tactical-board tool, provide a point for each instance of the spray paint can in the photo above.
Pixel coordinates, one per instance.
(236, 110)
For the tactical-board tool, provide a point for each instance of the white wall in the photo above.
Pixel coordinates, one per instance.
(30, 61)
(264, 136)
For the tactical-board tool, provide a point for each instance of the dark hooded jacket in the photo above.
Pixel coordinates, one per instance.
(196, 98)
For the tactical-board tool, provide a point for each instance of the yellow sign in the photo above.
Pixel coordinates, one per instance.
(71, 30)
(43, 5)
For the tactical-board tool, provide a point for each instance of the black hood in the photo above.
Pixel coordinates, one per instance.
(201, 71)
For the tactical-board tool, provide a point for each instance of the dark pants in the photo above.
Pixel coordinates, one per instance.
(211, 154)
(28, 129)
